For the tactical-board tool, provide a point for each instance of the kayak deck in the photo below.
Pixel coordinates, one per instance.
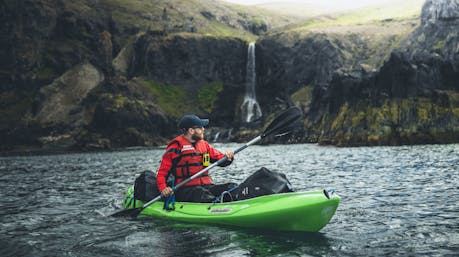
(298, 211)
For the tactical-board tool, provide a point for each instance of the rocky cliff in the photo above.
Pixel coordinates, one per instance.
(107, 74)
(412, 98)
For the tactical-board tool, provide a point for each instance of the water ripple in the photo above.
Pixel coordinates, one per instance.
(396, 201)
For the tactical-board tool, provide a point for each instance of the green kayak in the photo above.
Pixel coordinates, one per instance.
(298, 211)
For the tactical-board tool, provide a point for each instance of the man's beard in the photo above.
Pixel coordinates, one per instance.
(196, 138)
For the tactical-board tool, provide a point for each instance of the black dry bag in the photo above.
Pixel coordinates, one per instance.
(145, 187)
(263, 182)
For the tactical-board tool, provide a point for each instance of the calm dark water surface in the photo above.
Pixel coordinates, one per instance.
(396, 201)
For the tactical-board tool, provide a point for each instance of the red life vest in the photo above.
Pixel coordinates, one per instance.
(189, 162)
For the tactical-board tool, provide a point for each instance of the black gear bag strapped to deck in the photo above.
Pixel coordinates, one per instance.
(263, 182)
(145, 187)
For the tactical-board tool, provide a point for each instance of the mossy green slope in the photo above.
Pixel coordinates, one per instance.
(394, 122)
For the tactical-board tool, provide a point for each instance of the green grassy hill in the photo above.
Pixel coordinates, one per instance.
(200, 16)
(375, 16)
(373, 10)
(365, 35)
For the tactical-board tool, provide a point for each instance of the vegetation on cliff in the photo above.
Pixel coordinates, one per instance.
(172, 99)
(208, 95)
(396, 121)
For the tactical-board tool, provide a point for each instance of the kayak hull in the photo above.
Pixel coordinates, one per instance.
(298, 211)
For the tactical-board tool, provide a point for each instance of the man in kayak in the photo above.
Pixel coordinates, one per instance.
(185, 156)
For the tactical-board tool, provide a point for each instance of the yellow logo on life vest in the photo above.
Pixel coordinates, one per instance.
(205, 160)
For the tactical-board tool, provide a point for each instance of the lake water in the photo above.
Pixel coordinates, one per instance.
(396, 201)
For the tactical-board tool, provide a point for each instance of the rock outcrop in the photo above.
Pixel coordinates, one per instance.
(57, 102)
(190, 60)
(412, 98)
(442, 10)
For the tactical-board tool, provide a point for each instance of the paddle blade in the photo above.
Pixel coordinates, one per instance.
(283, 123)
(128, 213)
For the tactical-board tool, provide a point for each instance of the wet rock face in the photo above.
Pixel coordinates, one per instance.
(429, 59)
(190, 60)
(440, 10)
(283, 68)
(66, 93)
(25, 27)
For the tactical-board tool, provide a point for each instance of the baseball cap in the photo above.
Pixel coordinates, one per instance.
(191, 120)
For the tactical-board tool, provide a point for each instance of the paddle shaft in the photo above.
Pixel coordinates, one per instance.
(222, 160)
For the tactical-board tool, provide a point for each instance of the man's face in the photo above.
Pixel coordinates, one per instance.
(197, 133)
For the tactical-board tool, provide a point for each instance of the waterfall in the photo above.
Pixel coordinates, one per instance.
(250, 109)
(229, 134)
(216, 137)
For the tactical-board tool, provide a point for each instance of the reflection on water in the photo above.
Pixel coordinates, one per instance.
(396, 201)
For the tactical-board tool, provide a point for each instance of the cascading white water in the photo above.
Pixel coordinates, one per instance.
(216, 137)
(250, 108)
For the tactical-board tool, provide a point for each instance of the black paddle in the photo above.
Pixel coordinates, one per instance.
(280, 125)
